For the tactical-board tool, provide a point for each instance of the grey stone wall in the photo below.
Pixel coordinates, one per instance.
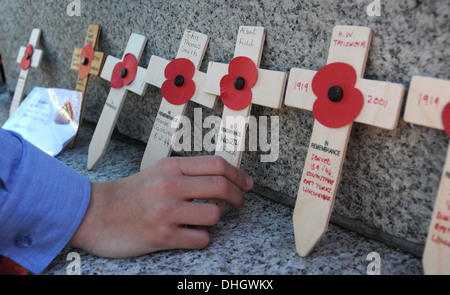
(390, 178)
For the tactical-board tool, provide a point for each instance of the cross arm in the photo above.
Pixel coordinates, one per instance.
(382, 103)
(216, 71)
(135, 46)
(426, 100)
(270, 85)
(96, 64)
(37, 53)
(382, 100)
(156, 77)
(35, 60)
(299, 92)
(138, 86)
(269, 88)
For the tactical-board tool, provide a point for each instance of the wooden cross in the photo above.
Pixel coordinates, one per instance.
(192, 47)
(120, 73)
(428, 104)
(380, 106)
(87, 62)
(28, 56)
(268, 91)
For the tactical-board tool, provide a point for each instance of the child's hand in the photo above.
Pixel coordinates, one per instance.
(149, 211)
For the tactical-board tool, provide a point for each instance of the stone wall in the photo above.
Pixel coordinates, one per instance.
(390, 178)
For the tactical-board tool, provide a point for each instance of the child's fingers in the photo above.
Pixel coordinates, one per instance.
(215, 165)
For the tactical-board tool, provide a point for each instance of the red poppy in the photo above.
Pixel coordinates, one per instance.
(179, 86)
(124, 72)
(338, 102)
(446, 118)
(26, 59)
(236, 87)
(87, 55)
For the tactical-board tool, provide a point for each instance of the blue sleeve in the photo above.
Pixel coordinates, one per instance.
(42, 203)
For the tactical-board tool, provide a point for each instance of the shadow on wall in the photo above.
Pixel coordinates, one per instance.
(2, 75)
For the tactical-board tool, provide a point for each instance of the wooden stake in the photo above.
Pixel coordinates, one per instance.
(192, 47)
(268, 91)
(96, 64)
(427, 99)
(36, 59)
(327, 149)
(115, 100)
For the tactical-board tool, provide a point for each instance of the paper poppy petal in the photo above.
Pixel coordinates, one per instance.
(25, 64)
(446, 119)
(116, 80)
(87, 52)
(131, 64)
(340, 74)
(180, 66)
(178, 95)
(342, 113)
(231, 97)
(244, 67)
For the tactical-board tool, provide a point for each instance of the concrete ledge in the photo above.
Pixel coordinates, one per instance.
(256, 241)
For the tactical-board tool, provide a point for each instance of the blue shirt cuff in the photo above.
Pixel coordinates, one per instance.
(41, 207)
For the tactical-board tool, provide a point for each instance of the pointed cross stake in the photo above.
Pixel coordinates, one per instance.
(192, 47)
(87, 62)
(267, 90)
(373, 103)
(428, 104)
(28, 56)
(123, 75)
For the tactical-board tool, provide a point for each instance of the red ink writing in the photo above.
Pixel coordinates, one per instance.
(301, 86)
(377, 101)
(442, 216)
(323, 188)
(317, 181)
(354, 44)
(315, 167)
(345, 34)
(319, 195)
(341, 42)
(438, 240)
(308, 182)
(428, 100)
(441, 228)
(317, 158)
(327, 171)
(320, 177)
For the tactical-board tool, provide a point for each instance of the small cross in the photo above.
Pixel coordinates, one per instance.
(344, 97)
(124, 75)
(191, 52)
(28, 56)
(87, 62)
(241, 84)
(428, 104)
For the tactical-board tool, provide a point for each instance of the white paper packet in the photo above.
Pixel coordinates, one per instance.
(48, 118)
